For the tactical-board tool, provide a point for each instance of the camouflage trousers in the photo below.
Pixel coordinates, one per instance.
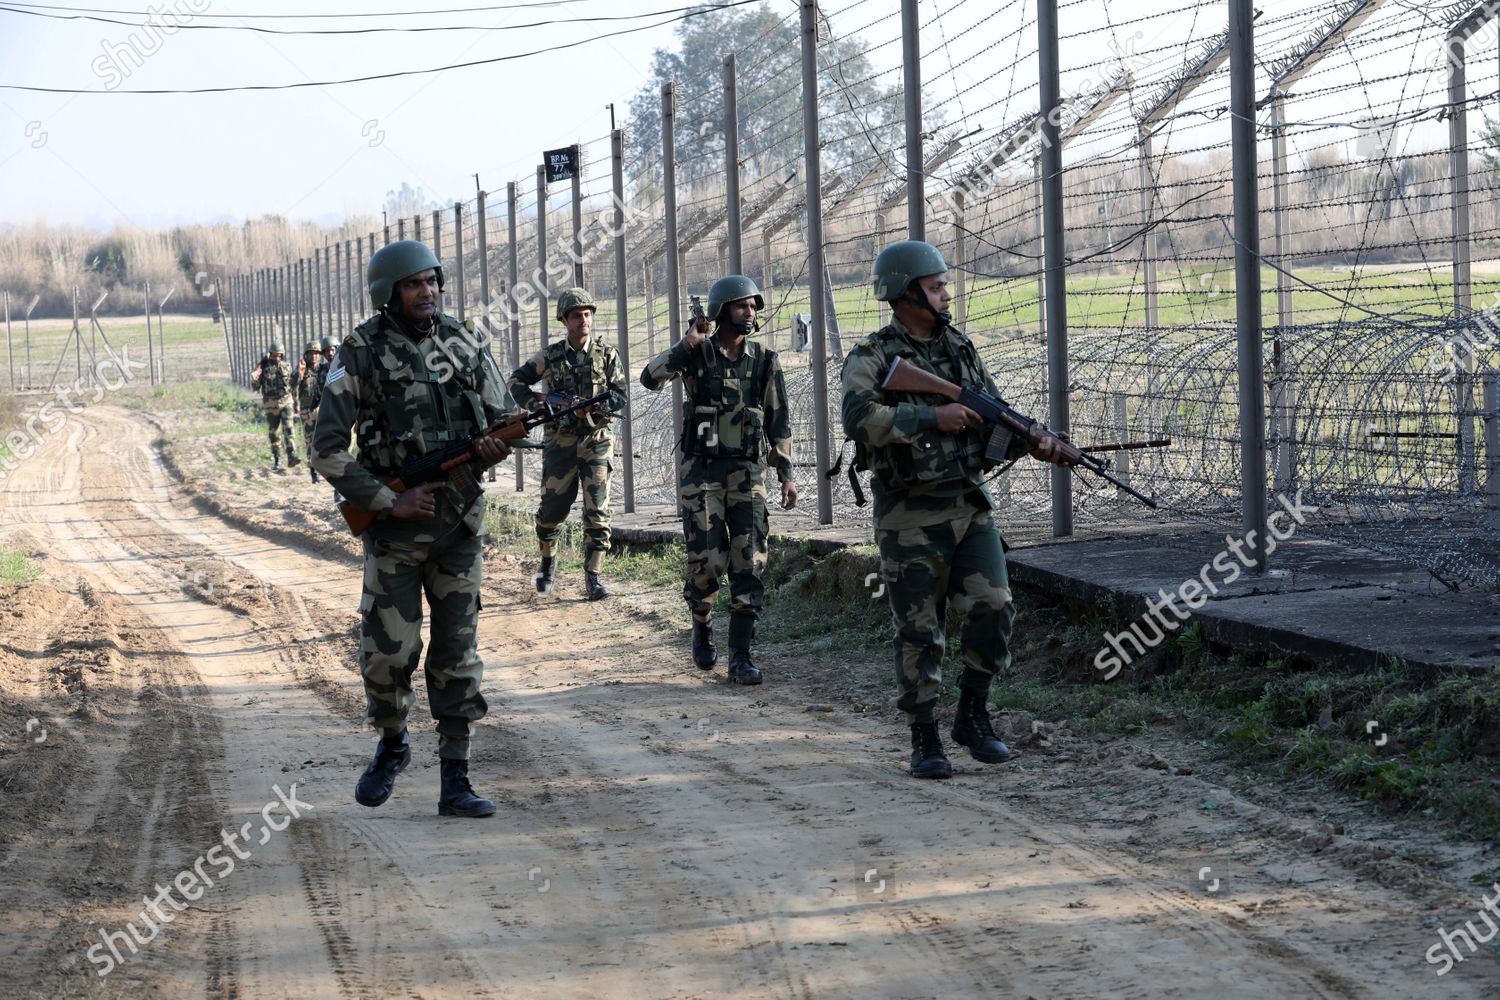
(309, 418)
(567, 463)
(724, 527)
(942, 557)
(279, 418)
(398, 573)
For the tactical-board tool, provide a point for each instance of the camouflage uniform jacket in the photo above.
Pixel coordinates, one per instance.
(736, 409)
(913, 464)
(584, 373)
(406, 395)
(322, 379)
(275, 383)
(307, 387)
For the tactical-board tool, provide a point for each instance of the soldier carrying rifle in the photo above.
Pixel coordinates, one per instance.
(933, 516)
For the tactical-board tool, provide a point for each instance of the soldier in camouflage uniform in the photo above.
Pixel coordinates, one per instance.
(577, 452)
(410, 380)
(273, 377)
(734, 415)
(306, 382)
(933, 523)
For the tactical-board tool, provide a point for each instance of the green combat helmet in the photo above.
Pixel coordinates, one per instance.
(310, 348)
(732, 288)
(326, 343)
(275, 348)
(395, 261)
(574, 298)
(902, 263)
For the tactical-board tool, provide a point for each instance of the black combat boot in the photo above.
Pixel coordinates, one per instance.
(312, 474)
(972, 729)
(741, 670)
(375, 785)
(458, 798)
(595, 587)
(543, 578)
(704, 653)
(927, 757)
(275, 460)
(291, 459)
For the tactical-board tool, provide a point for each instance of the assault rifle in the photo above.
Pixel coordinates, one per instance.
(436, 465)
(700, 323)
(1001, 422)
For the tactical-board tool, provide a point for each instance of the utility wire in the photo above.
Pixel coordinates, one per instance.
(695, 12)
(320, 17)
(8, 8)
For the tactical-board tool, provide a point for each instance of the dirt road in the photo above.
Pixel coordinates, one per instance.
(659, 834)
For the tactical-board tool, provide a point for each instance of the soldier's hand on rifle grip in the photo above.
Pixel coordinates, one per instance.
(417, 501)
(955, 418)
(491, 451)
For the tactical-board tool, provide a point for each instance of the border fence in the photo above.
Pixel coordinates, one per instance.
(1273, 242)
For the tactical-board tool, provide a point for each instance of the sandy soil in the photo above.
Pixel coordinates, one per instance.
(659, 834)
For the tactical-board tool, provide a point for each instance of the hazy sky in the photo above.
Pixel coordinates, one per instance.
(323, 153)
(318, 152)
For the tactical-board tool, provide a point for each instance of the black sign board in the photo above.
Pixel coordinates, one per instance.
(562, 164)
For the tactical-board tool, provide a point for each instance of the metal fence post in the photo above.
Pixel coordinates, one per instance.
(669, 198)
(960, 252)
(735, 263)
(622, 316)
(578, 216)
(1050, 169)
(481, 232)
(812, 156)
(10, 347)
(1247, 279)
(911, 66)
(458, 257)
(543, 277)
(515, 314)
(1492, 440)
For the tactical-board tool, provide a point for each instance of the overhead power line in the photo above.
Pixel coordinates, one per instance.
(9, 8)
(693, 12)
(342, 15)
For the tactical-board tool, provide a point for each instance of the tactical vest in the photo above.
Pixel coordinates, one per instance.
(275, 382)
(931, 457)
(584, 379)
(425, 397)
(307, 388)
(724, 414)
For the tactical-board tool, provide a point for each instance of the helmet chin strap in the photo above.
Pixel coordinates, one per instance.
(944, 318)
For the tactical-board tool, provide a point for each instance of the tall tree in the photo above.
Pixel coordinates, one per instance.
(857, 115)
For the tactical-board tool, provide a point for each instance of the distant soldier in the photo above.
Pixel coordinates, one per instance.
(409, 381)
(939, 547)
(273, 377)
(308, 377)
(734, 416)
(577, 448)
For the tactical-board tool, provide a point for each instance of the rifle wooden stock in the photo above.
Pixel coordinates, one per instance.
(907, 377)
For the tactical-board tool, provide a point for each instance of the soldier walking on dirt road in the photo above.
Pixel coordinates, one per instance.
(734, 416)
(933, 516)
(409, 380)
(273, 377)
(578, 448)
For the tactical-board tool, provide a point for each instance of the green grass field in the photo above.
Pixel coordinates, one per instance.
(995, 310)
